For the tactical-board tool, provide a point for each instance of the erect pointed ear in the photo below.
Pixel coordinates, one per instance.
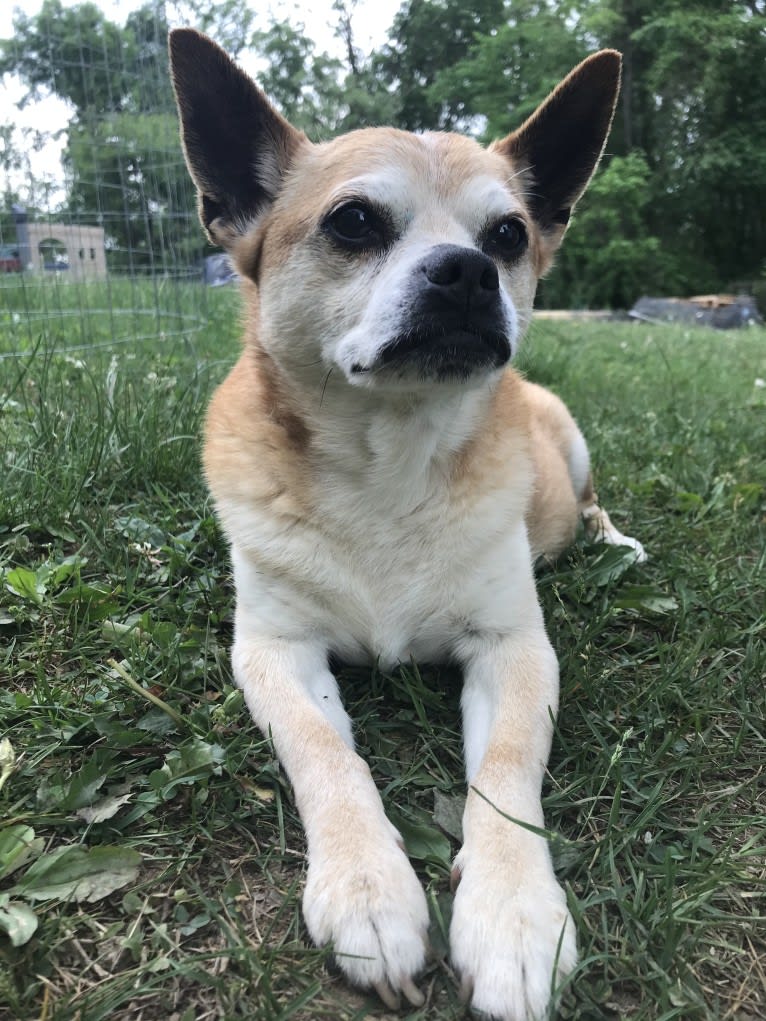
(557, 149)
(237, 146)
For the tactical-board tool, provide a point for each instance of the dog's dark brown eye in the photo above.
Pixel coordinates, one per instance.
(506, 240)
(356, 226)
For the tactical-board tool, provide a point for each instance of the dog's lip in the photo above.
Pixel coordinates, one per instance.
(478, 347)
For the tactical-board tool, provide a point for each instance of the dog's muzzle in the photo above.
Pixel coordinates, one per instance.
(455, 321)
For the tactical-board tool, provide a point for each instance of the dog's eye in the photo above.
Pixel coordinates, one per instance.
(356, 226)
(505, 240)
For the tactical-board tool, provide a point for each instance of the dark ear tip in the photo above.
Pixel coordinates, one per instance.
(605, 63)
(178, 38)
(607, 55)
(187, 44)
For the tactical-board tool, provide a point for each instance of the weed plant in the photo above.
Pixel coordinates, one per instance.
(151, 859)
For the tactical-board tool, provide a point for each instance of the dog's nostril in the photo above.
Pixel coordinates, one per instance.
(460, 271)
(489, 279)
(443, 272)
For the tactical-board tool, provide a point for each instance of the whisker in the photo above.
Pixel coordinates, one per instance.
(324, 385)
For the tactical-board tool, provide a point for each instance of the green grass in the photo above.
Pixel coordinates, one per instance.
(128, 736)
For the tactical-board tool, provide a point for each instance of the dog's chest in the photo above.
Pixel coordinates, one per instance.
(379, 585)
(391, 552)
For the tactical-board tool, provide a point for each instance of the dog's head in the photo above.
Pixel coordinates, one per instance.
(400, 259)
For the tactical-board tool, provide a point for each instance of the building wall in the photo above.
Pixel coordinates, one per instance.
(86, 253)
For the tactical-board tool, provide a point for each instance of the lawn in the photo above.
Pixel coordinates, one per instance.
(151, 860)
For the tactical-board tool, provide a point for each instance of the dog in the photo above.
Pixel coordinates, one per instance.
(387, 482)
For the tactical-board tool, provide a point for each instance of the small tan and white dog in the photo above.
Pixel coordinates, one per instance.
(386, 482)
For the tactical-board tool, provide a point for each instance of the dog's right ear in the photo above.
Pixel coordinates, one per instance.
(237, 146)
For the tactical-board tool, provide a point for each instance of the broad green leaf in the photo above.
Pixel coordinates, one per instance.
(25, 583)
(18, 845)
(688, 503)
(18, 921)
(164, 633)
(138, 530)
(645, 597)
(80, 874)
(7, 760)
(64, 570)
(155, 721)
(448, 813)
(191, 762)
(61, 532)
(423, 842)
(84, 785)
(99, 600)
(103, 809)
(749, 495)
(610, 565)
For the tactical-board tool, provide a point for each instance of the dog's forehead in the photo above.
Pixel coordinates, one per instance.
(403, 171)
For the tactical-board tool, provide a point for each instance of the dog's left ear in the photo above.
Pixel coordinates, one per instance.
(557, 149)
(237, 146)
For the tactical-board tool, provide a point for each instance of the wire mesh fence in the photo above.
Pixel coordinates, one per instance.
(113, 252)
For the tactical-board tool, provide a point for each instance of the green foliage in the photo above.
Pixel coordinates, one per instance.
(303, 84)
(72, 51)
(317, 93)
(510, 69)
(607, 258)
(151, 858)
(681, 208)
(123, 157)
(128, 175)
(693, 102)
(427, 37)
(229, 22)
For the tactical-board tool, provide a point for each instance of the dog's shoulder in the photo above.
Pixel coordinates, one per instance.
(255, 442)
(499, 451)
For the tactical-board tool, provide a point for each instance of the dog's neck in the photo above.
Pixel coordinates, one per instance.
(395, 446)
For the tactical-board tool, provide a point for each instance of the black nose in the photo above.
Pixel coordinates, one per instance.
(461, 276)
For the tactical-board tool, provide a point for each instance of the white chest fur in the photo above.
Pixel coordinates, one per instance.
(396, 560)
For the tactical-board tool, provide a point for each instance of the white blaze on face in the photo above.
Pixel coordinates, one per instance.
(423, 218)
(346, 308)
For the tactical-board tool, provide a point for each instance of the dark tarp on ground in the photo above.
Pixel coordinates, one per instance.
(726, 315)
(219, 270)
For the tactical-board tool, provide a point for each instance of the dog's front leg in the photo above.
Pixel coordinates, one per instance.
(511, 935)
(361, 895)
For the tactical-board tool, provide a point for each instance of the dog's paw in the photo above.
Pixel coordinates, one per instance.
(635, 545)
(599, 527)
(512, 940)
(373, 912)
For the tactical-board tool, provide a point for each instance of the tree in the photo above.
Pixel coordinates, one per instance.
(304, 84)
(123, 160)
(366, 99)
(608, 259)
(694, 102)
(229, 22)
(711, 167)
(74, 52)
(509, 69)
(426, 37)
(318, 93)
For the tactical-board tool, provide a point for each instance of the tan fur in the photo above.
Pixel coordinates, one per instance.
(255, 449)
(553, 514)
(386, 485)
(258, 449)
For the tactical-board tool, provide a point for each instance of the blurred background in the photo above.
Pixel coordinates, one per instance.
(95, 191)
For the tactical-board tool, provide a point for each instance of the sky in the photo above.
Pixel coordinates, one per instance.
(371, 20)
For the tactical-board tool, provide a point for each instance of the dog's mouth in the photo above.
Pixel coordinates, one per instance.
(445, 355)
